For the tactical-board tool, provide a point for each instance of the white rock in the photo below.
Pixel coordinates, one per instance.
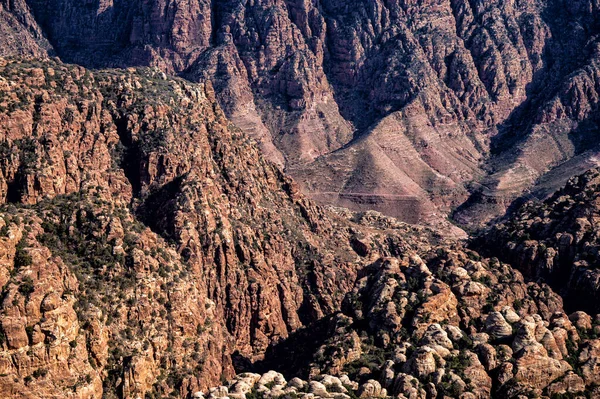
(435, 335)
(240, 387)
(510, 315)
(218, 392)
(331, 381)
(276, 392)
(454, 333)
(460, 273)
(318, 389)
(249, 378)
(340, 396)
(349, 383)
(297, 383)
(270, 377)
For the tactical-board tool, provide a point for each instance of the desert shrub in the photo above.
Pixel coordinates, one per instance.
(22, 257)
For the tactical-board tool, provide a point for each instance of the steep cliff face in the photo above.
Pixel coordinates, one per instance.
(552, 136)
(390, 106)
(146, 240)
(20, 33)
(148, 249)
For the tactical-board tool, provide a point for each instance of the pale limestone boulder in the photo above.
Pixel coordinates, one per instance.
(218, 392)
(510, 315)
(333, 384)
(454, 333)
(318, 389)
(271, 377)
(349, 383)
(435, 335)
(497, 327)
(297, 383)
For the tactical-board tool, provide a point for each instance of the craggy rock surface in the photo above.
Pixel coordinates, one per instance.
(409, 108)
(134, 262)
(555, 241)
(148, 249)
(20, 34)
(446, 325)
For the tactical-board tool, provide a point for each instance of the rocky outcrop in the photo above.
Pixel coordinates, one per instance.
(555, 241)
(508, 338)
(273, 385)
(163, 262)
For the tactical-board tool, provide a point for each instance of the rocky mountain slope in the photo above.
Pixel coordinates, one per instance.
(137, 262)
(447, 326)
(410, 108)
(134, 264)
(555, 241)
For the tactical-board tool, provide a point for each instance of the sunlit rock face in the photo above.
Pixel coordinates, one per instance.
(408, 108)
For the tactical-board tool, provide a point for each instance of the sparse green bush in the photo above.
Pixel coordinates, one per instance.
(22, 257)
(26, 287)
(40, 373)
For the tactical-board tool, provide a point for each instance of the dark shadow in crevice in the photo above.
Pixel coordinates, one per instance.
(131, 157)
(291, 356)
(13, 190)
(159, 208)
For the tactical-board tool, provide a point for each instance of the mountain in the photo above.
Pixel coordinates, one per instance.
(136, 265)
(132, 259)
(416, 109)
(153, 245)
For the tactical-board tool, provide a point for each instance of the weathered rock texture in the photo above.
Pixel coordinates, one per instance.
(148, 249)
(394, 106)
(447, 324)
(146, 240)
(555, 241)
(20, 34)
(230, 257)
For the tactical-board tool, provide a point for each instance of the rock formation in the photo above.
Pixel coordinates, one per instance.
(555, 241)
(148, 249)
(143, 263)
(408, 108)
(151, 244)
(412, 328)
